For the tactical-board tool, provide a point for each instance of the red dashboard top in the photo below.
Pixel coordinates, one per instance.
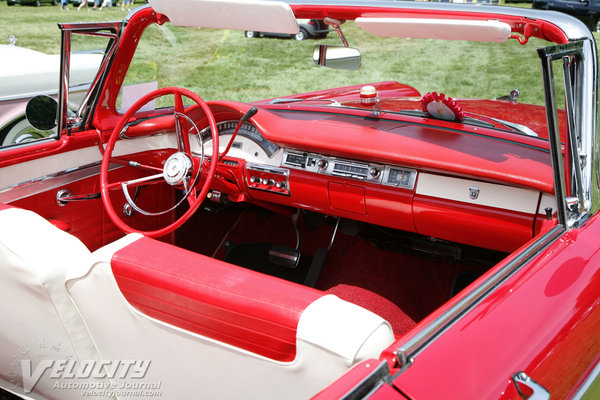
(446, 147)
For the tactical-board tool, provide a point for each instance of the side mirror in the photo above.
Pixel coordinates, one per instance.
(337, 57)
(41, 112)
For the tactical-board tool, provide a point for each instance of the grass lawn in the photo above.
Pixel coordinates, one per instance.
(226, 65)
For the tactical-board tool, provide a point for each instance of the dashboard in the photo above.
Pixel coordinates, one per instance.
(434, 203)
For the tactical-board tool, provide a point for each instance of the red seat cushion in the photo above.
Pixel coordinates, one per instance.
(240, 307)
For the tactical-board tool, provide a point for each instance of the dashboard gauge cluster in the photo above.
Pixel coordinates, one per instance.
(368, 172)
(246, 130)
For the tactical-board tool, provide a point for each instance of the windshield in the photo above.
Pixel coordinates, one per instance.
(247, 67)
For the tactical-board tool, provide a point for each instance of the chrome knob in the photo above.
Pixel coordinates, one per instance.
(374, 172)
(127, 210)
(280, 185)
(265, 181)
(322, 163)
(253, 179)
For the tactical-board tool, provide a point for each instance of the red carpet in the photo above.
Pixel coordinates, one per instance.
(399, 287)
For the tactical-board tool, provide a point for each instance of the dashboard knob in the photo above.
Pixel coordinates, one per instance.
(280, 185)
(271, 182)
(322, 163)
(265, 181)
(253, 179)
(374, 172)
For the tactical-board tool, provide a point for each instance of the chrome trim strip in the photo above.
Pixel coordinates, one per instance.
(132, 12)
(42, 184)
(591, 380)
(369, 384)
(420, 341)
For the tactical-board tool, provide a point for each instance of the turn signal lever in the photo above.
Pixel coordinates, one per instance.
(249, 114)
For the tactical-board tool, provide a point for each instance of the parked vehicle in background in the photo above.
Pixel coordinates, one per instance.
(588, 11)
(91, 2)
(309, 28)
(25, 73)
(36, 3)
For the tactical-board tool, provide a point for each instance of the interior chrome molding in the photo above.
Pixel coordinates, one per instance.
(406, 354)
(49, 182)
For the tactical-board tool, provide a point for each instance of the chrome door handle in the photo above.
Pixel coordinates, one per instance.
(521, 379)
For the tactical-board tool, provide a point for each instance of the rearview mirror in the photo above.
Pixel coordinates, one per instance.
(337, 57)
(41, 112)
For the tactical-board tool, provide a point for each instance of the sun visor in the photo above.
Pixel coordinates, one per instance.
(244, 15)
(448, 29)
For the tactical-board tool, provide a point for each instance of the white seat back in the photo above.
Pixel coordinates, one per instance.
(41, 327)
(331, 334)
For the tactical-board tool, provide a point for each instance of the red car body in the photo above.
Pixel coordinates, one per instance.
(502, 192)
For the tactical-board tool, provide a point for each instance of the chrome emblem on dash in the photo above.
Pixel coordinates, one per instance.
(473, 192)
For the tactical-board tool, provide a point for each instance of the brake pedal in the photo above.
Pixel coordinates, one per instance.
(284, 256)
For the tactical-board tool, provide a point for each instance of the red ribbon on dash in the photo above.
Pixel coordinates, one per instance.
(441, 107)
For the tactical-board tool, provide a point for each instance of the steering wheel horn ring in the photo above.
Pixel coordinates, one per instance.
(181, 169)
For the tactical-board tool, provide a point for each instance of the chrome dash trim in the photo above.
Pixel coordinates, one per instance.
(407, 352)
(42, 184)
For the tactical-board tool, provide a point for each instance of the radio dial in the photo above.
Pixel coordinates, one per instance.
(374, 172)
(322, 163)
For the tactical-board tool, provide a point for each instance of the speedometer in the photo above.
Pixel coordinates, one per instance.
(246, 130)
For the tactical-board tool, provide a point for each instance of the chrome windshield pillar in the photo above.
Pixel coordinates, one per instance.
(110, 30)
(63, 86)
(580, 81)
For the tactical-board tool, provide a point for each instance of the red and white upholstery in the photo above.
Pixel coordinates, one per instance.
(214, 330)
(39, 320)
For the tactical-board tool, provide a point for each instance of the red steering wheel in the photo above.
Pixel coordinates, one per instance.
(181, 169)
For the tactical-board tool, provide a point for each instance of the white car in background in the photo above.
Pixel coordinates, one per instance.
(26, 73)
